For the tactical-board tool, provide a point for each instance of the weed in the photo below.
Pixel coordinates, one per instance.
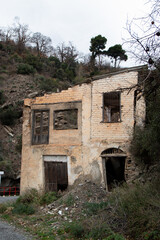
(153, 235)
(6, 217)
(98, 232)
(115, 236)
(30, 196)
(21, 208)
(3, 208)
(93, 208)
(139, 206)
(3, 71)
(75, 229)
(48, 198)
(69, 201)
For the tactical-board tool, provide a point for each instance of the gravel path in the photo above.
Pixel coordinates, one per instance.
(9, 232)
(8, 199)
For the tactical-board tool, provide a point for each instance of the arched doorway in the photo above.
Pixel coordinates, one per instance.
(113, 160)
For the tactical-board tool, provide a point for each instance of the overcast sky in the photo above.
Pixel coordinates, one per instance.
(74, 20)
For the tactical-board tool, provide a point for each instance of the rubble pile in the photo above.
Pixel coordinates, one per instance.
(71, 205)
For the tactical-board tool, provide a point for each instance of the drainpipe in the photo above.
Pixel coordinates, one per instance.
(1, 173)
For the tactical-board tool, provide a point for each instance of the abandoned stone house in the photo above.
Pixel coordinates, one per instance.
(82, 133)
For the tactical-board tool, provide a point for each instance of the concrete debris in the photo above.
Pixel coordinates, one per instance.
(70, 206)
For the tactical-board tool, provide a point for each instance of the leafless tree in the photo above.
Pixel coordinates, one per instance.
(6, 34)
(21, 34)
(66, 53)
(144, 36)
(42, 43)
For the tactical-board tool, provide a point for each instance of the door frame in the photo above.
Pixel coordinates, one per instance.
(54, 158)
(106, 157)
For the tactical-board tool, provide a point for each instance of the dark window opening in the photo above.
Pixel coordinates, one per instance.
(115, 167)
(66, 119)
(111, 107)
(40, 130)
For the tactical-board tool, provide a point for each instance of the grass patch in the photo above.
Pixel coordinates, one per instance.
(48, 198)
(94, 208)
(69, 201)
(25, 209)
(3, 208)
(32, 196)
(139, 207)
(75, 229)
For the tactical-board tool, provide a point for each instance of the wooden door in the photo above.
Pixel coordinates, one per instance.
(56, 175)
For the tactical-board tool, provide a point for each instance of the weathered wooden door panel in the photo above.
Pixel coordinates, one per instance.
(56, 174)
(62, 176)
(50, 176)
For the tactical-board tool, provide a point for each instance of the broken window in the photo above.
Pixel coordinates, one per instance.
(111, 107)
(40, 130)
(66, 119)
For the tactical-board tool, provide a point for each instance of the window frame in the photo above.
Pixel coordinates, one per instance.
(61, 110)
(103, 105)
(34, 111)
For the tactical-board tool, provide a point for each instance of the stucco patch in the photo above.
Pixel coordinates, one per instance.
(73, 159)
(95, 172)
(78, 170)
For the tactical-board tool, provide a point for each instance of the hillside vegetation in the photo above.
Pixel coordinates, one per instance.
(30, 67)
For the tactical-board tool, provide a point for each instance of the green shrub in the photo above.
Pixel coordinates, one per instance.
(139, 206)
(34, 61)
(48, 84)
(3, 208)
(152, 235)
(8, 116)
(2, 97)
(98, 232)
(30, 196)
(93, 208)
(75, 229)
(145, 144)
(48, 198)
(24, 68)
(33, 196)
(16, 57)
(22, 208)
(115, 236)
